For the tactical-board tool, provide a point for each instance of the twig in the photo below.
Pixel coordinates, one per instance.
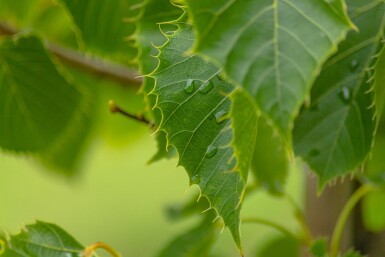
(114, 108)
(93, 65)
(88, 252)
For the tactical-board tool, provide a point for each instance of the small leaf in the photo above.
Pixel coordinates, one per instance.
(195, 242)
(37, 104)
(43, 240)
(334, 136)
(190, 120)
(274, 49)
(352, 253)
(319, 248)
(280, 247)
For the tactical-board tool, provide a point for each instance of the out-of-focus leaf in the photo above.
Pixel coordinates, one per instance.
(319, 248)
(334, 136)
(43, 240)
(17, 12)
(280, 247)
(195, 242)
(180, 211)
(100, 25)
(352, 253)
(37, 104)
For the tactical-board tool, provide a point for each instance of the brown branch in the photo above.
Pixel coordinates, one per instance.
(114, 108)
(93, 65)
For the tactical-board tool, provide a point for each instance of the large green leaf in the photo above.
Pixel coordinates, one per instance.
(334, 135)
(146, 36)
(273, 48)
(100, 25)
(192, 99)
(37, 104)
(43, 240)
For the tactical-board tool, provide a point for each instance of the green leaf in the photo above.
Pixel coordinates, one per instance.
(319, 248)
(352, 253)
(270, 162)
(244, 115)
(195, 242)
(334, 136)
(180, 211)
(148, 35)
(192, 99)
(99, 25)
(273, 48)
(43, 240)
(37, 104)
(281, 247)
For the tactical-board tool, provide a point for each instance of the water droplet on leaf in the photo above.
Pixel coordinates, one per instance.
(195, 179)
(220, 116)
(354, 65)
(211, 151)
(345, 95)
(189, 88)
(206, 87)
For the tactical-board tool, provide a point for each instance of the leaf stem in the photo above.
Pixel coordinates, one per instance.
(114, 108)
(93, 65)
(342, 219)
(278, 227)
(88, 252)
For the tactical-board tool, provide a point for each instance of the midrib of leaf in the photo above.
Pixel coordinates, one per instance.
(280, 114)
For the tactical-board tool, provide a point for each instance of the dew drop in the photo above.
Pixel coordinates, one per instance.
(189, 88)
(206, 87)
(211, 151)
(196, 179)
(220, 116)
(345, 95)
(354, 65)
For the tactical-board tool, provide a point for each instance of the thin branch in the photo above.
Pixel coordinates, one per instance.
(114, 108)
(89, 251)
(93, 65)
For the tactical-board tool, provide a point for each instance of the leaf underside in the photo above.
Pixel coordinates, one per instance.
(272, 48)
(334, 136)
(193, 101)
